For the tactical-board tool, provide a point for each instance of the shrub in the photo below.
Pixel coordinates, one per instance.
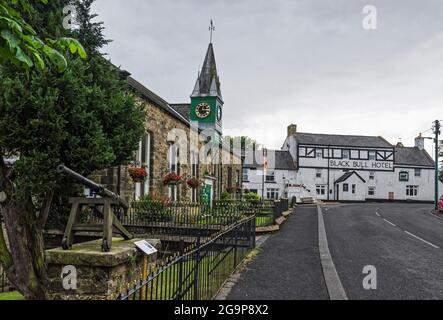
(252, 196)
(152, 208)
(225, 196)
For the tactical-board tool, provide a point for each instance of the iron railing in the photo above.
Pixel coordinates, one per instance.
(197, 272)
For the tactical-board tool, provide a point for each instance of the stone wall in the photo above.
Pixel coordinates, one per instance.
(98, 275)
(158, 124)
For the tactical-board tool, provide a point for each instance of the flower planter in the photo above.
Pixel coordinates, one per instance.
(138, 175)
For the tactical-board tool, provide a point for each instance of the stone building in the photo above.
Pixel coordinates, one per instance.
(183, 138)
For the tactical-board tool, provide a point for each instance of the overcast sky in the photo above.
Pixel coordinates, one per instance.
(308, 62)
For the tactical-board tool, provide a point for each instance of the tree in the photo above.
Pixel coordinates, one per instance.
(243, 142)
(84, 117)
(20, 45)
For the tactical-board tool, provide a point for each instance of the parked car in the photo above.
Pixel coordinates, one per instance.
(440, 204)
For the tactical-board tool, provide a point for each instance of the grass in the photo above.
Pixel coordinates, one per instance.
(13, 295)
(165, 285)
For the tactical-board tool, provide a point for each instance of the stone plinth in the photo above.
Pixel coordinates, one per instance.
(99, 275)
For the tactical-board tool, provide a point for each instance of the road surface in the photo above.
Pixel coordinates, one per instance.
(402, 241)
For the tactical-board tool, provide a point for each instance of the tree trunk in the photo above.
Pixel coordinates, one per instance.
(28, 270)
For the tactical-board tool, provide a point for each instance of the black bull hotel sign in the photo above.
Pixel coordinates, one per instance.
(362, 165)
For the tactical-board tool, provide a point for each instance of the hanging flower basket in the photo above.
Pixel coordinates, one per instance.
(172, 179)
(138, 174)
(193, 183)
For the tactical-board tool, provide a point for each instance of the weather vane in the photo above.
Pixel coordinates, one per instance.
(212, 29)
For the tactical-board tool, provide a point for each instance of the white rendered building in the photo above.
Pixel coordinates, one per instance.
(346, 168)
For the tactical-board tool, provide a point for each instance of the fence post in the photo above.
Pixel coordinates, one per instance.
(276, 210)
(197, 268)
(235, 246)
(181, 250)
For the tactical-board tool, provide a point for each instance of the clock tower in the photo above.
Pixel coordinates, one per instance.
(206, 100)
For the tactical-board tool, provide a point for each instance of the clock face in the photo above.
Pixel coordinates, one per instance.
(219, 113)
(202, 110)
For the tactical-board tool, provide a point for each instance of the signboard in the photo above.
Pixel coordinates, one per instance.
(146, 247)
(362, 165)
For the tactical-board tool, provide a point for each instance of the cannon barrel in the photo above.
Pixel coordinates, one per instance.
(99, 189)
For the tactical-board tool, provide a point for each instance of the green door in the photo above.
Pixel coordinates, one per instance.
(206, 195)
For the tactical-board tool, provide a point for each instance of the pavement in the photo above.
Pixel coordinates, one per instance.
(403, 243)
(288, 267)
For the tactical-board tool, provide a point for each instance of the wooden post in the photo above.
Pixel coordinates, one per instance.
(107, 228)
(144, 275)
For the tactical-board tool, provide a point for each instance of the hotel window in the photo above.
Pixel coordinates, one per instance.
(345, 187)
(245, 175)
(345, 154)
(372, 155)
(404, 176)
(354, 188)
(270, 176)
(318, 173)
(321, 190)
(319, 153)
(371, 191)
(371, 175)
(411, 191)
(272, 194)
(417, 172)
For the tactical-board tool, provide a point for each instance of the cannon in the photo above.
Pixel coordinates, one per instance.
(103, 204)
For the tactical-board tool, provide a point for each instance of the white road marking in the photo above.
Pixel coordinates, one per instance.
(377, 214)
(423, 240)
(390, 222)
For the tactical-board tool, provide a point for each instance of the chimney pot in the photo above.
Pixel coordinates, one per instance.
(292, 129)
(420, 142)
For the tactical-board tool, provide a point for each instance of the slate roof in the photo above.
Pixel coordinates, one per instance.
(413, 157)
(342, 140)
(158, 101)
(282, 161)
(347, 175)
(182, 109)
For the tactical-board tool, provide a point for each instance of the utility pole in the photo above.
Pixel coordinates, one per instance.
(265, 167)
(437, 132)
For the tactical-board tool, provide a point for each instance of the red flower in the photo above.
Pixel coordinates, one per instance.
(193, 183)
(172, 178)
(138, 174)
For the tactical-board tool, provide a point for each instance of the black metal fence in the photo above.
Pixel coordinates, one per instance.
(197, 272)
(172, 222)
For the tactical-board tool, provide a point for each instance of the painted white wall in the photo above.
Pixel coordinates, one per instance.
(359, 193)
(282, 179)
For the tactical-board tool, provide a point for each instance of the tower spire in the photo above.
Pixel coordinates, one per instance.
(211, 29)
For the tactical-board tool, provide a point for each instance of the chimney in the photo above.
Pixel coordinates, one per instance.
(292, 129)
(420, 142)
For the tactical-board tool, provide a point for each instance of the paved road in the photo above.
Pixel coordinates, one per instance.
(288, 267)
(402, 241)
